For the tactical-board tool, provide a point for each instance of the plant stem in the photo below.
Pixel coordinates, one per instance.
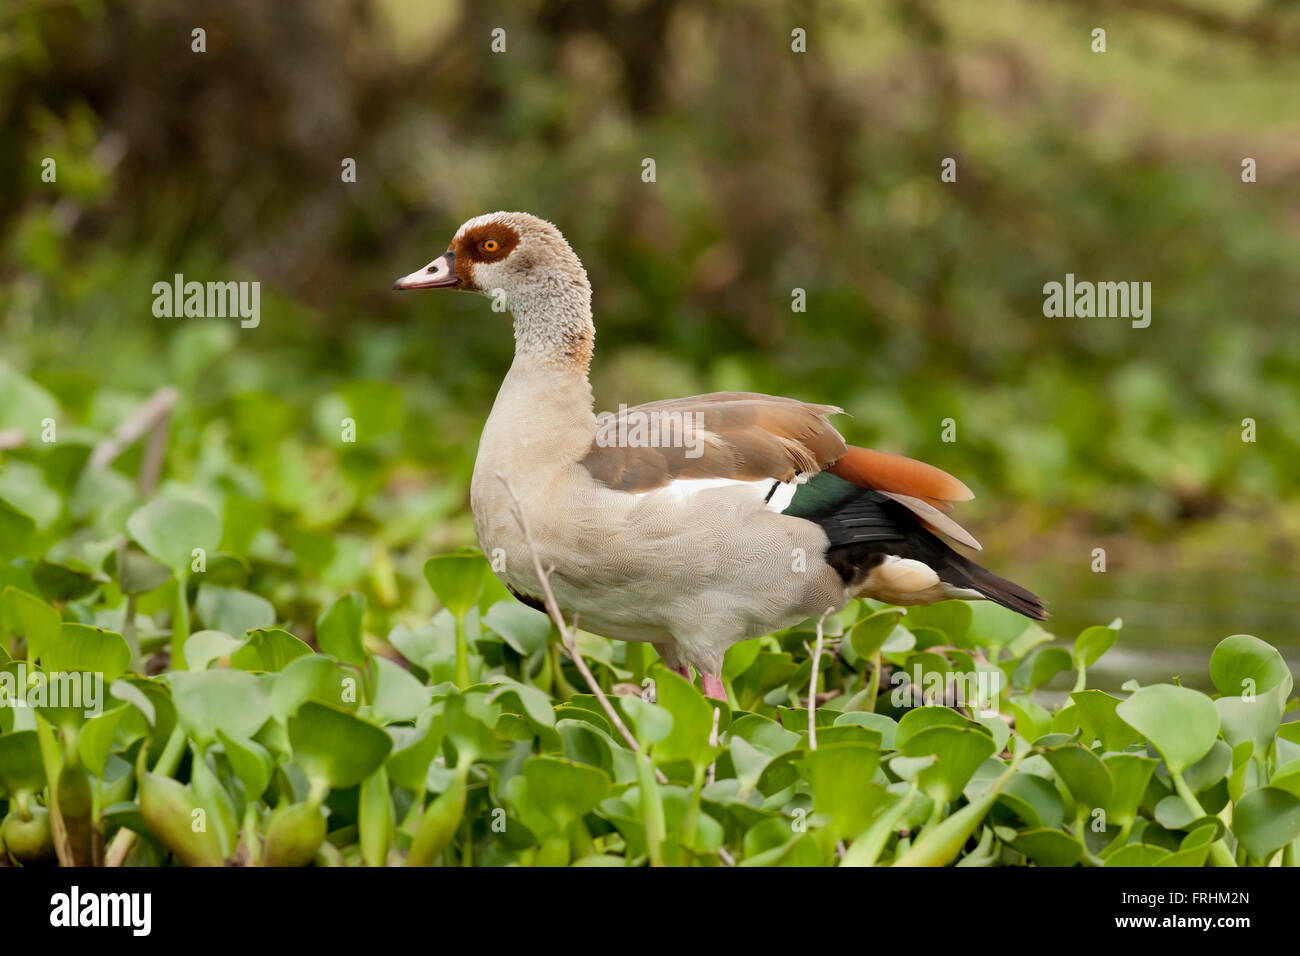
(1219, 852)
(873, 687)
(462, 653)
(180, 622)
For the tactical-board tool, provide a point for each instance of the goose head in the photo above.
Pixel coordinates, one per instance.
(510, 254)
(526, 265)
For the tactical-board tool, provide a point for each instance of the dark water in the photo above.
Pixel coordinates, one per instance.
(1173, 616)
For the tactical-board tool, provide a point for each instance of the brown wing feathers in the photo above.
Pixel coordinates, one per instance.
(749, 437)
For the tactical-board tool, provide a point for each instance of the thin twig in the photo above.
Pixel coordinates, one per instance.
(155, 409)
(566, 635)
(812, 687)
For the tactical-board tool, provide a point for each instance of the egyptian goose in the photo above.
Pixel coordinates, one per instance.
(691, 523)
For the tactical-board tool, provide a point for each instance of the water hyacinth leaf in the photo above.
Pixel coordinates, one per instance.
(564, 790)
(456, 579)
(413, 751)
(1033, 799)
(312, 678)
(739, 657)
(36, 621)
(137, 572)
(268, 649)
(1138, 855)
(1181, 724)
(870, 633)
(428, 645)
(229, 700)
(1210, 769)
(80, 647)
(1244, 665)
(398, 695)
(1048, 847)
(232, 610)
(338, 629)
(1092, 643)
(1129, 774)
(1032, 720)
(924, 718)
(692, 720)
(1097, 714)
(1040, 667)
(520, 626)
(992, 625)
(1265, 820)
(528, 701)
(204, 647)
(648, 722)
(959, 752)
(841, 779)
(250, 761)
(1256, 718)
(1083, 773)
(17, 532)
(335, 746)
(21, 767)
(95, 740)
(950, 618)
(885, 725)
(171, 529)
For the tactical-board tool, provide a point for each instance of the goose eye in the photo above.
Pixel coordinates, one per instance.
(491, 245)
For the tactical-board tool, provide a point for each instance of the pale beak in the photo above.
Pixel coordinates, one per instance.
(438, 274)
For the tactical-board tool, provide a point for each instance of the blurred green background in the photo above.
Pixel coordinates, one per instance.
(775, 170)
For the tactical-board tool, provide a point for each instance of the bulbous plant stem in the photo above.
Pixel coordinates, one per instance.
(462, 653)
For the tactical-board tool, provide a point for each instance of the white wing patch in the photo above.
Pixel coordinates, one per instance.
(684, 490)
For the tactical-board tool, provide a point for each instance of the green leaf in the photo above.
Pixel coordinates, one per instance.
(37, 621)
(1265, 820)
(650, 723)
(1083, 773)
(523, 628)
(841, 777)
(1182, 724)
(229, 700)
(268, 649)
(170, 529)
(312, 678)
(959, 752)
(692, 720)
(398, 695)
(334, 746)
(204, 647)
(1243, 664)
(456, 579)
(80, 647)
(338, 630)
(1040, 667)
(21, 767)
(232, 610)
(17, 532)
(95, 741)
(870, 633)
(1092, 643)
(250, 761)
(1097, 714)
(1048, 847)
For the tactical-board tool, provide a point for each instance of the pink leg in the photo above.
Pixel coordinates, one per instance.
(683, 669)
(713, 687)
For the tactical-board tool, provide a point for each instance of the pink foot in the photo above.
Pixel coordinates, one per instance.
(683, 669)
(713, 687)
